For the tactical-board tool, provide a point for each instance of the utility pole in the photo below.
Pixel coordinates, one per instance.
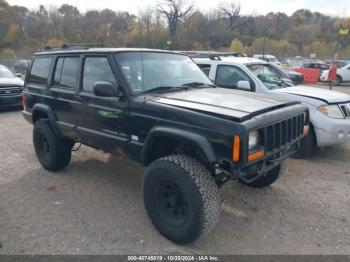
(267, 25)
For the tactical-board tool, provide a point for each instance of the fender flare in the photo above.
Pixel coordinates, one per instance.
(183, 135)
(51, 115)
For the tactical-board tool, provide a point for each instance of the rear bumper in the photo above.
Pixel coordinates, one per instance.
(27, 116)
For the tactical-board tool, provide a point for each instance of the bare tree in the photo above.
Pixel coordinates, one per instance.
(232, 11)
(174, 11)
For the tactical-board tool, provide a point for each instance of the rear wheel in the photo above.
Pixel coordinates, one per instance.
(53, 152)
(269, 178)
(338, 80)
(181, 198)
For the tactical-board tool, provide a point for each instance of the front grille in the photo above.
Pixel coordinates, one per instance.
(283, 133)
(345, 108)
(10, 91)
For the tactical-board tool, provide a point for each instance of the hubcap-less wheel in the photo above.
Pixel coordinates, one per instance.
(53, 152)
(44, 147)
(171, 205)
(181, 198)
(338, 80)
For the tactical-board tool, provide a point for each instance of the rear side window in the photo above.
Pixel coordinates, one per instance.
(40, 70)
(66, 72)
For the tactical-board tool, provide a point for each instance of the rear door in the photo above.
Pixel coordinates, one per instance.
(101, 120)
(62, 92)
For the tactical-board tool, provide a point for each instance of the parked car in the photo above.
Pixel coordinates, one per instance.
(268, 58)
(340, 63)
(343, 75)
(316, 65)
(21, 66)
(329, 110)
(158, 108)
(11, 88)
(296, 77)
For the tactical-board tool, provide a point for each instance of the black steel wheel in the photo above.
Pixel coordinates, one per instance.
(54, 153)
(181, 198)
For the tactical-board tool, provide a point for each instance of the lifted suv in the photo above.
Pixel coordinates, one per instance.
(160, 109)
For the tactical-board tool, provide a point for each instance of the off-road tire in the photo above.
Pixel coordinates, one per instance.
(269, 178)
(53, 152)
(201, 199)
(307, 145)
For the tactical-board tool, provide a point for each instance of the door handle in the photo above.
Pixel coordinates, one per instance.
(82, 98)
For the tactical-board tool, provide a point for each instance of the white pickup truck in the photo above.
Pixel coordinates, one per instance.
(329, 110)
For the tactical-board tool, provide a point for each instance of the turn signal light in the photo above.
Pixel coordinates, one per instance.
(306, 130)
(257, 155)
(236, 148)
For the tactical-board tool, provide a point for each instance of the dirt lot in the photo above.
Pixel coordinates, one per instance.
(95, 206)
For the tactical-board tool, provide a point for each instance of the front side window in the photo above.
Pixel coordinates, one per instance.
(145, 71)
(270, 77)
(205, 68)
(40, 70)
(97, 69)
(66, 72)
(229, 76)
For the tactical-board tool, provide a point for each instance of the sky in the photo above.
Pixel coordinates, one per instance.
(339, 8)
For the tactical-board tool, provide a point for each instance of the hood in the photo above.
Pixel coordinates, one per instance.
(10, 81)
(328, 96)
(235, 104)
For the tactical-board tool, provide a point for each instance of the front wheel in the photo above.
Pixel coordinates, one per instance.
(269, 178)
(181, 198)
(307, 145)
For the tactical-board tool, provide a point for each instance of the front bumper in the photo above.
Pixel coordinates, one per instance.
(8, 101)
(337, 133)
(330, 131)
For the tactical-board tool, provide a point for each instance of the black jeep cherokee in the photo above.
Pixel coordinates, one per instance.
(158, 108)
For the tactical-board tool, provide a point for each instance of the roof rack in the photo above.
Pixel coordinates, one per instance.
(71, 47)
(213, 55)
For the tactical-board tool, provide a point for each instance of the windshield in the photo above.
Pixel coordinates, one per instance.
(146, 71)
(270, 76)
(4, 72)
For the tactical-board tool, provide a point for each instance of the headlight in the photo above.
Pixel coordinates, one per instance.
(253, 139)
(332, 111)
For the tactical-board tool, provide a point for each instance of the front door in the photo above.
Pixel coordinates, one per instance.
(101, 120)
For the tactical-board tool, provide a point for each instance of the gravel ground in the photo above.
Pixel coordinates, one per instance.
(95, 206)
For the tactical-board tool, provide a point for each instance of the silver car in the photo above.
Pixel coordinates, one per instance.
(11, 88)
(329, 110)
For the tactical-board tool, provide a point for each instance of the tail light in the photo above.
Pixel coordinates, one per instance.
(24, 101)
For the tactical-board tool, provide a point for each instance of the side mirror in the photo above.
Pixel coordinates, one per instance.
(105, 89)
(243, 85)
(18, 75)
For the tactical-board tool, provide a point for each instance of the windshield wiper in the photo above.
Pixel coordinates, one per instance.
(163, 88)
(197, 84)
